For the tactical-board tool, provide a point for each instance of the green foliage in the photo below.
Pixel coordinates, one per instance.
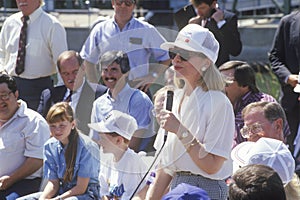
(268, 83)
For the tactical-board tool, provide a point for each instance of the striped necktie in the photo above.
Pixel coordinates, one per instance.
(69, 97)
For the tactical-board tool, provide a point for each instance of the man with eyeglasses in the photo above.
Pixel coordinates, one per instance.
(140, 40)
(23, 133)
(78, 91)
(266, 119)
(241, 90)
(262, 121)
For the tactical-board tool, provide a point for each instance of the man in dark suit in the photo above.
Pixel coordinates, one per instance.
(76, 90)
(285, 62)
(223, 24)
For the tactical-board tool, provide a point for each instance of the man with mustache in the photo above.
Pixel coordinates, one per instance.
(76, 90)
(30, 43)
(120, 96)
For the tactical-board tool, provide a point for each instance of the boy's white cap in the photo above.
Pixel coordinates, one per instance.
(266, 151)
(116, 122)
(194, 37)
(297, 88)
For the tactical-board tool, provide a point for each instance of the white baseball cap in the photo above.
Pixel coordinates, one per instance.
(266, 151)
(116, 122)
(194, 37)
(297, 88)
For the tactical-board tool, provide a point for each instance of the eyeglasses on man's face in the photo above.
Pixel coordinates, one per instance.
(5, 96)
(228, 78)
(127, 2)
(229, 81)
(248, 131)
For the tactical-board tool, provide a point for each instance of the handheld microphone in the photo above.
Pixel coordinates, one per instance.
(169, 104)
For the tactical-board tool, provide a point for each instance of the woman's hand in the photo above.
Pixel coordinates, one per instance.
(159, 102)
(168, 121)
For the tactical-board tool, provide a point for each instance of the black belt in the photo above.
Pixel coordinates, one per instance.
(186, 173)
(36, 79)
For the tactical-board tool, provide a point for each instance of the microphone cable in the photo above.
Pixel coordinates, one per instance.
(169, 105)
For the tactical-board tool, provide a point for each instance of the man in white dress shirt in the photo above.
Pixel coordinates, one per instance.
(46, 39)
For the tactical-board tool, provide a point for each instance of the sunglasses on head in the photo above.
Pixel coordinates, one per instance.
(183, 54)
(127, 2)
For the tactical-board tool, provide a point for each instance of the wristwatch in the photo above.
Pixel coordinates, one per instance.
(154, 74)
(184, 135)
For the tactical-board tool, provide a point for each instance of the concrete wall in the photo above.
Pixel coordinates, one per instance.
(257, 42)
(76, 37)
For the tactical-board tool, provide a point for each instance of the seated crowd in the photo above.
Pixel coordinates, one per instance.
(207, 133)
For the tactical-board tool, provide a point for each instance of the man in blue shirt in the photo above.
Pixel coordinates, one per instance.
(138, 39)
(120, 96)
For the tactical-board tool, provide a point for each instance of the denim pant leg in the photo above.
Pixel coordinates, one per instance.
(34, 196)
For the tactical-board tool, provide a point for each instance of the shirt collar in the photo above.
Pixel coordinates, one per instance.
(243, 100)
(246, 96)
(78, 91)
(123, 92)
(20, 112)
(60, 147)
(127, 25)
(36, 14)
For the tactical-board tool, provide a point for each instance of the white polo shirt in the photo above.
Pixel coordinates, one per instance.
(22, 136)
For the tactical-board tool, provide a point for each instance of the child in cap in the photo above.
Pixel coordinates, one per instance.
(121, 172)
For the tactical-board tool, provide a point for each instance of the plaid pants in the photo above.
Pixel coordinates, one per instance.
(216, 189)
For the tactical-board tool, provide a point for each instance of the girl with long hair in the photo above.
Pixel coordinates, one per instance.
(71, 159)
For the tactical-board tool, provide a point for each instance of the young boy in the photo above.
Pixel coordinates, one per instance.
(120, 173)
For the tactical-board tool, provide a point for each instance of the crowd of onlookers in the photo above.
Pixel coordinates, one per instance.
(209, 132)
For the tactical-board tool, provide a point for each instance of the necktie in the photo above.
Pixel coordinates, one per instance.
(22, 47)
(69, 99)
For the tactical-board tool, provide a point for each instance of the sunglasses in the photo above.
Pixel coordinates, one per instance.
(127, 2)
(183, 54)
